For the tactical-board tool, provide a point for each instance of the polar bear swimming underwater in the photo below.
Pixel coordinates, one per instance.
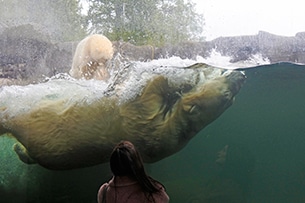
(66, 124)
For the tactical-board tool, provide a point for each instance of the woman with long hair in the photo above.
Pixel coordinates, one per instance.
(130, 183)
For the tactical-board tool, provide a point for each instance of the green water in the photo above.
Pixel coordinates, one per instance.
(265, 134)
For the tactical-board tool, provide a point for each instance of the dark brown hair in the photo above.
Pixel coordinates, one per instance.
(126, 161)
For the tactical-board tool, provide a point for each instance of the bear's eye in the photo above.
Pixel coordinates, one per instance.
(191, 109)
(227, 94)
(194, 109)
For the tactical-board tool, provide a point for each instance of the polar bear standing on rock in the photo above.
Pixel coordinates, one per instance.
(90, 58)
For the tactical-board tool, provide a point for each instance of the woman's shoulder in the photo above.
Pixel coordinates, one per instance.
(102, 191)
(157, 183)
(102, 188)
(161, 196)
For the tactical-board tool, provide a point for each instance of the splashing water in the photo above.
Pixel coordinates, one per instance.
(126, 81)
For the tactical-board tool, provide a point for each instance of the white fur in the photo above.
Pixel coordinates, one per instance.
(90, 57)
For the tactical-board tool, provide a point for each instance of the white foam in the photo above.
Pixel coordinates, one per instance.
(218, 60)
(215, 59)
(22, 98)
(126, 82)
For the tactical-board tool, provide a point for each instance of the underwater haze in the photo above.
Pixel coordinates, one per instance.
(262, 137)
(254, 152)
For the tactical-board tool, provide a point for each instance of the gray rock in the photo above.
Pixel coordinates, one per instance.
(27, 55)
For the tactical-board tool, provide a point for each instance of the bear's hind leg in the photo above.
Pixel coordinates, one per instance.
(23, 154)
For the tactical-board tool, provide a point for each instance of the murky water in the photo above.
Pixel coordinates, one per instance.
(253, 153)
(265, 134)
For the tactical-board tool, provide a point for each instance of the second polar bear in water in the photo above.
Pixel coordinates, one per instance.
(90, 58)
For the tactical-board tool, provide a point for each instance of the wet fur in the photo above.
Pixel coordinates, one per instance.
(90, 58)
(160, 121)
